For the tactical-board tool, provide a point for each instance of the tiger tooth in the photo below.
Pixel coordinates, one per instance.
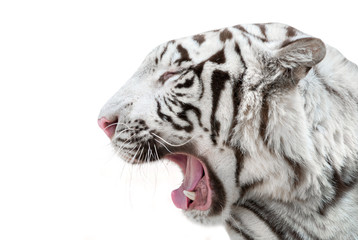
(190, 195)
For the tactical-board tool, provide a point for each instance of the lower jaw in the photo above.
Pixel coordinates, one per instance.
(201, 190)
(204, 204)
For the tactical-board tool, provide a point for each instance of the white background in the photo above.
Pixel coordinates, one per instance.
(59, 62)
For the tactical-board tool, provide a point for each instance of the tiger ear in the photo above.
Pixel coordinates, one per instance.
(302, 54)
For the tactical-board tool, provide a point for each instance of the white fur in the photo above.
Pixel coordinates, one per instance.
(307, 123)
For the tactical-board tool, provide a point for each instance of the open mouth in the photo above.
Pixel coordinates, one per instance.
(195, 191)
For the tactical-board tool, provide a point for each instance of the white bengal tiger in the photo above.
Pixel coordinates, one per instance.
(263, 121)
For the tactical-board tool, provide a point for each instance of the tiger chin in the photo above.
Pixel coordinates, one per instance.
(262, 121)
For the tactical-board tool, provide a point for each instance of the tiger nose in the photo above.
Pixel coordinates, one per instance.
(109, 127)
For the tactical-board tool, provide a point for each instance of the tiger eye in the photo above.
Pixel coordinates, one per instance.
(166, 76)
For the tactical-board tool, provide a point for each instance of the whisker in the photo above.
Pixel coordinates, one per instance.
(133, 158)
(147, 156)
(124, 143)
(156, 152)
(110, 125)
(121, 155)
(124, 131)
(150, 151)
(163, 145)
(133, 148)
(125, 126)
(140, 154)
(117, 123)
(171, 144)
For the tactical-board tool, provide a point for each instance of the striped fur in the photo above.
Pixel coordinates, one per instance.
(271, 111)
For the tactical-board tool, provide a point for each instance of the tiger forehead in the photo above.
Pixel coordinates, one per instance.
(203, 44)
(187, 49)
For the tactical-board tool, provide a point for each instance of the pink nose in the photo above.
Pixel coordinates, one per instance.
(107, 126)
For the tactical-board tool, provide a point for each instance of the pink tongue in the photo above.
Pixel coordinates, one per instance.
(192, 175)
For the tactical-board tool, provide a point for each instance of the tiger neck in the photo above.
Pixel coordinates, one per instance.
(293, 136)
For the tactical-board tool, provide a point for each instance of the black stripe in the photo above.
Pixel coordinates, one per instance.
(184, 55)
(173, 102)
(219, 198)
(162, 116)
(242, 29)
(244, 230)
(179, 94)
(239, 156)
(187, 84)
(119, 139)
(198, 69)
(291, 32)
(274, 221)
(183, 114)
(167, 118)
(263, 31)
(339, 186)
(329, 89)
(249, 186)
(164, 51)
(298, 170)
(238, 51)
(307, 232)
(200, 38)
(202, 88)
(349, 174)
(218, 57)
(239, 231)
(175, 99)
(168, 105)
(219, 79)
(189, 107)
(225, 35)
(264, 118)
(129, 149)
(246, 34)
(236, 99)
(236, 93)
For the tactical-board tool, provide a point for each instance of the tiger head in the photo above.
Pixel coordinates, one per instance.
(224, 106)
